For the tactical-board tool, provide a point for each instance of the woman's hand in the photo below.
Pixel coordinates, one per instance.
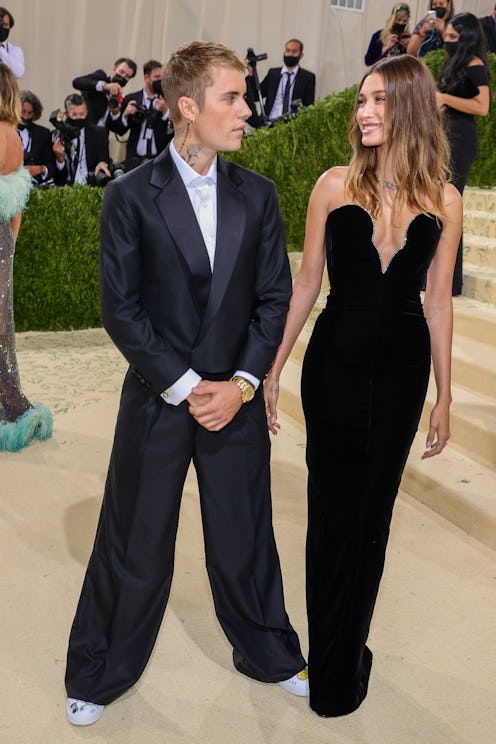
(439, 432)
(392, 40)
(271, 394)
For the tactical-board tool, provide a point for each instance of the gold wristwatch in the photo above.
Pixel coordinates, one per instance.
(247, 389)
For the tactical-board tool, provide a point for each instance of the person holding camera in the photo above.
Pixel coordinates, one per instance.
(393, 39)
(36, 140)
(428, 34)
(80, 148)
(281, 86)
(10, 55)
(488, 25)
(103, 93)
(145, 116)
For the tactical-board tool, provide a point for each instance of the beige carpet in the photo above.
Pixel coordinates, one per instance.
(433, 635)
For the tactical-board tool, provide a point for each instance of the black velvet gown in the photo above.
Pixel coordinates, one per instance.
(364, 381)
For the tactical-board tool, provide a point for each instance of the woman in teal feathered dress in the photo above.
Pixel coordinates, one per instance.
(20, 421)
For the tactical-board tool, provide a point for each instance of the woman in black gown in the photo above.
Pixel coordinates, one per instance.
(463, 93)
(381, 224)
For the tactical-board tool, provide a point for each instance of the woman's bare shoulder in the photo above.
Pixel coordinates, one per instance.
(10, 149)
(330, 188)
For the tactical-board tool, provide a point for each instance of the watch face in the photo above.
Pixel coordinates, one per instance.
(248, 394)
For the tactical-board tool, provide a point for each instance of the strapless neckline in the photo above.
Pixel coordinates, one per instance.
(384, 266)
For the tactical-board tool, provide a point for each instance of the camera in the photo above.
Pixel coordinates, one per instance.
(116, 101)
(67, 131)
(141, 113)
(254, 58)
(101, 178)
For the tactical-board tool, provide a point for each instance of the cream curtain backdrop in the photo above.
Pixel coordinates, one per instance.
(65, 38)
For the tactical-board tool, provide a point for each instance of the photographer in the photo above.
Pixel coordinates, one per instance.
(428, 34)
(36, 140)
(146, 116)
(281, 86)
(80, 149)
(103, 93)
(11, 55)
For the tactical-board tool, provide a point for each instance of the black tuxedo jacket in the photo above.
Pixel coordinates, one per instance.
(96, 146)
(489, 28)
(158, 125)
(161, 304)
(40, 149)
(303, 88)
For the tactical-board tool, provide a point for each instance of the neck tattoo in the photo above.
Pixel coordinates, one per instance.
(390, 185)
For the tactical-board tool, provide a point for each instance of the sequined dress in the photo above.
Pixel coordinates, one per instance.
(364, 381)
(20, 421)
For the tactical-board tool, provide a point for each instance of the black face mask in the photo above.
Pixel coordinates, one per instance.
(25, 124)
(4, 34)
(78, 123)
(398, 28)
(440, 12)
(290, 61)
(157, 87)
(450, 47)
(119, 79)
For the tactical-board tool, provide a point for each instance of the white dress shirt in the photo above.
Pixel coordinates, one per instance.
(202, 191)
(81, 175)
(13, 56)
(276, 110)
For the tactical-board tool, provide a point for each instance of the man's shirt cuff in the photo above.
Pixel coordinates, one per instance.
(179, 391)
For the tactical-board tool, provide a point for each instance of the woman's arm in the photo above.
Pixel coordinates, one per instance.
(438, 309)
(479, 105)
(307, 284)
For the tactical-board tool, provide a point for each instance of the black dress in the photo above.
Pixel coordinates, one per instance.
(364, 381)
(461, 131)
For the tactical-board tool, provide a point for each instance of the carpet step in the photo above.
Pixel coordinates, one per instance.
(479, 283)
(479, 250)
(479, 200)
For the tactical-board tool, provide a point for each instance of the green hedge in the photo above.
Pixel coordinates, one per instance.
(56, 260)
(56, 264)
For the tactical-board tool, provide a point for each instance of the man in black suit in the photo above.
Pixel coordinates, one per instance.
(195, 286)
(146, 116)
(282, 86)
(103, 93)
(85, 152)
(36, 140)
(488, 24)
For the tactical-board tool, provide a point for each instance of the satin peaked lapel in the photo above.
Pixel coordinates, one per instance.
(179, 216)
(231, 219)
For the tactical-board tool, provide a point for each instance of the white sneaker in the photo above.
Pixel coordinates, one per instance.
(81, 712)
(297, 684)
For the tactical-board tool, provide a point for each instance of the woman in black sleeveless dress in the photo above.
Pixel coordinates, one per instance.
(380, 225)
(463, 93)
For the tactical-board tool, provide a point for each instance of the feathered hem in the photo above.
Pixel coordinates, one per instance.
(35, 423)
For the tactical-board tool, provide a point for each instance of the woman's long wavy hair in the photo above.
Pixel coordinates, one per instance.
(397, 9)
(415, 138)
(10, 99)
(471, 44)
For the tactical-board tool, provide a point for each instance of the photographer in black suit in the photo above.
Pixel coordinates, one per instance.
(146, 117)
(103, 93)
(282, 86)
(80, 148)
(36, 140)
